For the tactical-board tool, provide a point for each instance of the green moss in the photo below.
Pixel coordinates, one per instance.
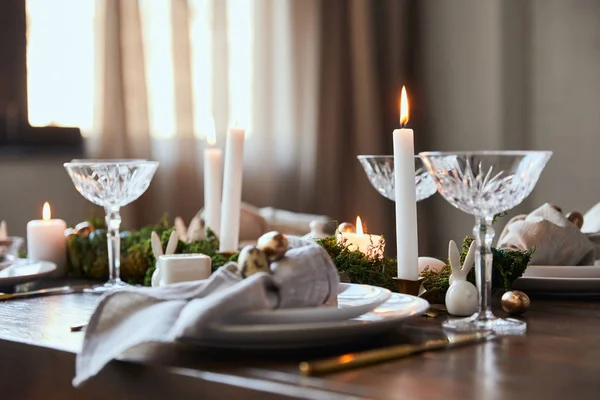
(88, 258)
(360, 268)
(88, 255)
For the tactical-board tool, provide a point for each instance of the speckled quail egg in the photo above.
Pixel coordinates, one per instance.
(274, 245)
(252, 260)
(346, 227)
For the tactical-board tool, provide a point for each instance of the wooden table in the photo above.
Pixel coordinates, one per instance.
(559, 357)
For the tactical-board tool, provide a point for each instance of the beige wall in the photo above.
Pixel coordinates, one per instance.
(509, 74)
(26, 183)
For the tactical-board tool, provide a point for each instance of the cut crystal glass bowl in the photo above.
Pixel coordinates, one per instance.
(112, 184)
(483, 184)
(380, 171)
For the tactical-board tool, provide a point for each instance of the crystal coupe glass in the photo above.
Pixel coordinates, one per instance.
(112, 184)
(380, 171)
(483, 184)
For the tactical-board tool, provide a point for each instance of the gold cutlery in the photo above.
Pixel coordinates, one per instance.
(44, 292)
(369, 357)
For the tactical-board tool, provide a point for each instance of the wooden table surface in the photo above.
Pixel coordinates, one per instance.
(559, 357)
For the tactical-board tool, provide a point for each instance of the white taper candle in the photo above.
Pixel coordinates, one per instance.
(232, 191)
(213, 186)
(406, 198)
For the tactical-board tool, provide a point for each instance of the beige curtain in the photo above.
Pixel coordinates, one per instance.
(326, 78)
(280, 147)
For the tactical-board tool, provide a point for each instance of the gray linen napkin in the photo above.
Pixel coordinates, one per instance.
(305, 277)
(557, 241)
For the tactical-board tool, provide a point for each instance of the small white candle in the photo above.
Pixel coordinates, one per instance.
(232, 191)
(370, 245)
(406, 201)
(46, 241)
(213, 183)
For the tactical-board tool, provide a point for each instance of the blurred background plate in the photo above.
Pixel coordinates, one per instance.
(559, 286)
(555, 271)
(25, 270)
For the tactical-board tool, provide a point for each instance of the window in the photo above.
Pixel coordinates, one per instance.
(64, 70)
(60, 63)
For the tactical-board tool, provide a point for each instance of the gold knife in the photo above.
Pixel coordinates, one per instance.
(369, 357)
(44, 292)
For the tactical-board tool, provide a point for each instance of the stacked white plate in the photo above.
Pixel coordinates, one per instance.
(361, 310)
(563, 280)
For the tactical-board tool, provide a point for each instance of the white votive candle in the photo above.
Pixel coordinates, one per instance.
(369, 245)
(406, 198)
(231, 201)
(46, 241)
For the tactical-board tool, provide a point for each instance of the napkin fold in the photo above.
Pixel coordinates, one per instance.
(557, 241)
(305, 277)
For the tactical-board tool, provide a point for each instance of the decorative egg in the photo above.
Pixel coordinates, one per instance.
(576, 217)
(461, 299)
(274, 245)
(252, 260)
(346, 227)
(515, 302)
(433, 264)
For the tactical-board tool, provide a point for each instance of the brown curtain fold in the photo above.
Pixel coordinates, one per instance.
(364, 62)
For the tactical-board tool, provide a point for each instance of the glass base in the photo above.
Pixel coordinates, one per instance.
(487, 323)
(110, 286)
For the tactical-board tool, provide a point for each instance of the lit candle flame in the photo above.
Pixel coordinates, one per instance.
(359, 226)
(46, 214)
(404, 109)
(211, 137)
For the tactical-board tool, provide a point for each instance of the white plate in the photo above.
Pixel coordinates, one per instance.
(392, 313)
(25, 271)
(555, 271)
(7, 260)
(560, 286)
(353, 301)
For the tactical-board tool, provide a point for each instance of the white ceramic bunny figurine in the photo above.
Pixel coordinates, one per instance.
(462, 295)
(158, 251)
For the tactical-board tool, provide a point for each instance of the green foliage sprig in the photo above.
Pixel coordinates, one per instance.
(88, 253)
(508, 266)
(358, 267)
(88, 258)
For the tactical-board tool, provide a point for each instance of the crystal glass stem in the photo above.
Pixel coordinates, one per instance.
(484, 234)
(113, 222)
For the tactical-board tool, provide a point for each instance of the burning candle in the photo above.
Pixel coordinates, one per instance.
(406, 201)
(232, 191)
(213, 176)
(46, 240)
(370, 245)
